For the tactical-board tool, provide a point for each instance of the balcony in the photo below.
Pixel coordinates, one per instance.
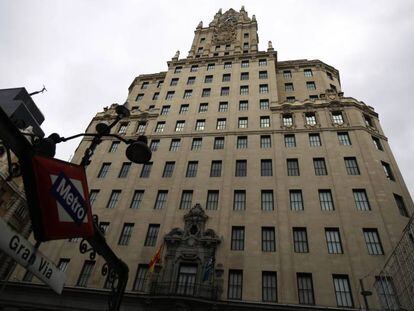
(196, 290)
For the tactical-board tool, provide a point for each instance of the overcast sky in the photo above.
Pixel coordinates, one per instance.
(88, 52)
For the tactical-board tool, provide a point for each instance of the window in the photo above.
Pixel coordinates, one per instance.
(266, 168)
(289, 87)
(267, 200)
(168, 169)
(221, 124)
(351, 166)
(373, 242)
(114, 147)
(174, 81)
(175, 144)
(386, 293)
(401, 205)
(191, 80)
(333, 87)
(333, 240)
(146, 170)
(210, 66)
(137, 199)
(244, 76)
(292, 167)
(296, 200)
(144, 85)
(343, 292)
(244, 64)
(311, 86)
(178, 69)
(241, 142)
(63, 264)
(287, 74)
(344, 139)
(125, 234)
(265, 121)
(326, 200)
(368, 121)
(245, 35)
(85, 273)
(305, 288)
(155, 96)
(142, 125)
(160, 83)
(227, 65)
(245, 45)
(262, 74)
(313, 97)
(200, 125)
(122, 128)
(104, 170)
(159, 128)
(262, 62)
(237, 238)
(215, 170)
(244, 90)
(300, 240)
(361, 200)
(319, 166)
(242, 123)
(235, 286)
(184, 109)
(329, 75)
(337, 117)
(155, 143)
(186, 199)
(188, 93)
(287, 120)
(241, 168)
(387, 171)
(263, 88)
(239, 201)
(226, 78)
(218, 143)
(192, 169)
(223, 106)
(194, 68)
(161, 199)
(150, 107)
(212, 199)
(307, 73)
(228, 46)
(269, 286)
(179, 126)
(124, 170)
(140, 278)
(187, 274)
(139, 97)
(113, 199)
(314, 140)
(310, 118)
(103, 227)
(206, 93)
(290, 140)
(170, 95)
(225, 91)
(268, 239)
(265, 141)
(377, 143)
(152, 233)
(196, 143)
(264, 104)
(92, 196)
(203, 107)
(208, 79)
(243, 105)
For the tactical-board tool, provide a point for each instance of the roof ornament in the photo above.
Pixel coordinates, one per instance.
(254, 18)
(200, 24)
(242, 9)
(177, 55)
(270, 46)
(220, 12)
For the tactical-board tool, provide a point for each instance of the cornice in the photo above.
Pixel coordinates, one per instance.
(288, 64)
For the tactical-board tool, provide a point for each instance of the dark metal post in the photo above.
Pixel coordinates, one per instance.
(364, 294)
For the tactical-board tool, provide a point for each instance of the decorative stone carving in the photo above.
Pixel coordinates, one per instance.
(270, 46)
(177, 54)
(200, 24)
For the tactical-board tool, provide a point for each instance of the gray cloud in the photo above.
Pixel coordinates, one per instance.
(88, 52)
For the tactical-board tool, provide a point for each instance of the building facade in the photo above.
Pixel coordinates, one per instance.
(267, 186)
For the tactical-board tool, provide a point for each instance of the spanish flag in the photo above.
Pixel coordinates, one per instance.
(155, 259)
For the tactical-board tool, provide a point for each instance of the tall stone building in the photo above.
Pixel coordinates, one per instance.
(260, 167)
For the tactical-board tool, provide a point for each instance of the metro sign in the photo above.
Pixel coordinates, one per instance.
(62, 192)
